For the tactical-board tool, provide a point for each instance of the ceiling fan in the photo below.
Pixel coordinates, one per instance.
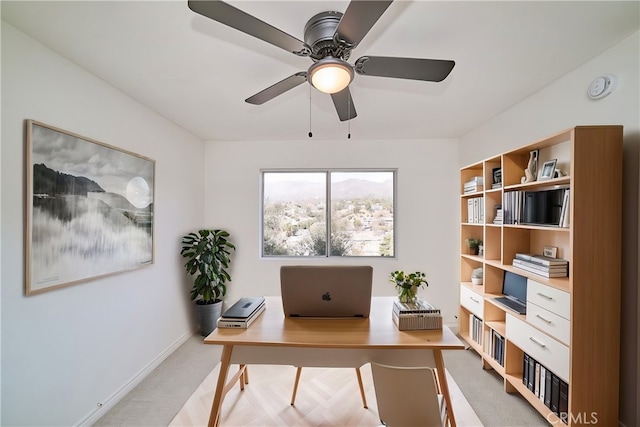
(329, 38)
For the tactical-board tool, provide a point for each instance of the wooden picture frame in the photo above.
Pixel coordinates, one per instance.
(89, 209)
(547, 170)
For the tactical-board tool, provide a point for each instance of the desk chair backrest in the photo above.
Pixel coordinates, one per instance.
(408, 396)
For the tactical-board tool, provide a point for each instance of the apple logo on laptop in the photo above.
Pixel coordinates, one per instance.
(326, 296)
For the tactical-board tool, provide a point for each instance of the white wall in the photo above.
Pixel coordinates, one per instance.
(67, 350)
(427, 208)
(562, 105)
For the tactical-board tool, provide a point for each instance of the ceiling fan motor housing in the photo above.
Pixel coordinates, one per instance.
(319, 34)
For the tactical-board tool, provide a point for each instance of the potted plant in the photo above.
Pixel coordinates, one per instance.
(208, 254)
(477, 275)
(407, 284)
(474, 245)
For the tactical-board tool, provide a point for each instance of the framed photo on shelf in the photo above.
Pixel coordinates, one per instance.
(89, 209)
(548, 169)
(497, 177)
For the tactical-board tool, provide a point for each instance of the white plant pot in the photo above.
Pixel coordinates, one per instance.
(476, 280)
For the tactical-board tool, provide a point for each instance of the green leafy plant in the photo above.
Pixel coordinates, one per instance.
(407, 284)
(209, 257)
(477, 273)
(474, 244)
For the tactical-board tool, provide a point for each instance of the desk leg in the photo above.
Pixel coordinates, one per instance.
(225, 359)
(444, 387)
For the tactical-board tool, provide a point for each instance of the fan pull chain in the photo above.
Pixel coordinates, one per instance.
(349, 121)
(310, 133)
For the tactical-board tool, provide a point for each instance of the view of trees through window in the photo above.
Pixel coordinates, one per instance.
(328, 213)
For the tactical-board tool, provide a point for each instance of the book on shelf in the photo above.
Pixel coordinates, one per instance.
(564, 213)
(475, 210)
(540, 267)
(541, 259)
(547, 274)
(473, 185)
(498, 218)
(552, 390)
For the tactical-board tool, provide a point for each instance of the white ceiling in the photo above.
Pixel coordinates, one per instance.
(197, 72)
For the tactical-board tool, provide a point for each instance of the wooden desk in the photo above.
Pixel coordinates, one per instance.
(275, 340)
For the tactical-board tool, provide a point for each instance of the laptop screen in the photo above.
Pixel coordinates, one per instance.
(515, 286)
(326, 291)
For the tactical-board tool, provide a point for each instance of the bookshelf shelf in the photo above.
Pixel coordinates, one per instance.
(591, 158)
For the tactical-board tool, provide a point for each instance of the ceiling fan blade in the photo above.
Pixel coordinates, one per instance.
(358, 19)
(432, 70)
(344, 104)
(242, 21)
(278, 89)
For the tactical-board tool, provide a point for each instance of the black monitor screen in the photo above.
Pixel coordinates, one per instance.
(515, 285)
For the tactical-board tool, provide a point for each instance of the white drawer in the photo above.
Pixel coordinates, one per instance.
(551, 299)
(546, 350)
(551, 323)
(472, 301)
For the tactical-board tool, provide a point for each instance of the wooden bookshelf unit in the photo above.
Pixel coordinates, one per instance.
(572, 324)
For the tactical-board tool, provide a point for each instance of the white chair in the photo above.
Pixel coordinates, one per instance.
(408, 397)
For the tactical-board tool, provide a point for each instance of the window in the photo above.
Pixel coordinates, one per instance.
(320, 213)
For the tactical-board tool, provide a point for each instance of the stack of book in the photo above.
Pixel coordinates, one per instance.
(542, 265)
(474, 184)
(498, 218)
(243, 313)
(552, 390)
(416, 315)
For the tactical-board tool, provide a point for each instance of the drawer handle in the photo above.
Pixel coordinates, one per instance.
(474, 300)
(543, 319)
(537, 342)
(545, 296)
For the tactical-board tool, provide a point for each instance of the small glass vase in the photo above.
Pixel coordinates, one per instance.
(407, 295)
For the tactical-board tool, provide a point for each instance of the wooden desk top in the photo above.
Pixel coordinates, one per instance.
(378, 331)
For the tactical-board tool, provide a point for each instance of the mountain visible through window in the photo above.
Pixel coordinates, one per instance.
(328, 213)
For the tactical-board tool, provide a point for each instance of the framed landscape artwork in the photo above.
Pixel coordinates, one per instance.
(89, 209)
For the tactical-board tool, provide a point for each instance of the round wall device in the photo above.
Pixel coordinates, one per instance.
(602, 86)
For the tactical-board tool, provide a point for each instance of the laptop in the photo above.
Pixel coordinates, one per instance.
(514, 288)
(327, 292)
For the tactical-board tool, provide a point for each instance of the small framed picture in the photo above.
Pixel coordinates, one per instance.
(547, 170)
(550, 251)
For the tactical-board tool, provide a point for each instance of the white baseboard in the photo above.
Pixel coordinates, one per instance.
(110, 402)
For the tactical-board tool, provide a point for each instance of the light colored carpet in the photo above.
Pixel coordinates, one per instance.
(326, 397)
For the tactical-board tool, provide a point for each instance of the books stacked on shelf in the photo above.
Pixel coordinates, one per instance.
(498, 218)
(475, 210)
(475, 328)
(473, 185)
(416, 315)
(495, 346)
(243, 313)
(552, 390)
(542, 265)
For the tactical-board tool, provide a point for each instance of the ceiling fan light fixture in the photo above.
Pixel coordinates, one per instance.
(330, 75)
